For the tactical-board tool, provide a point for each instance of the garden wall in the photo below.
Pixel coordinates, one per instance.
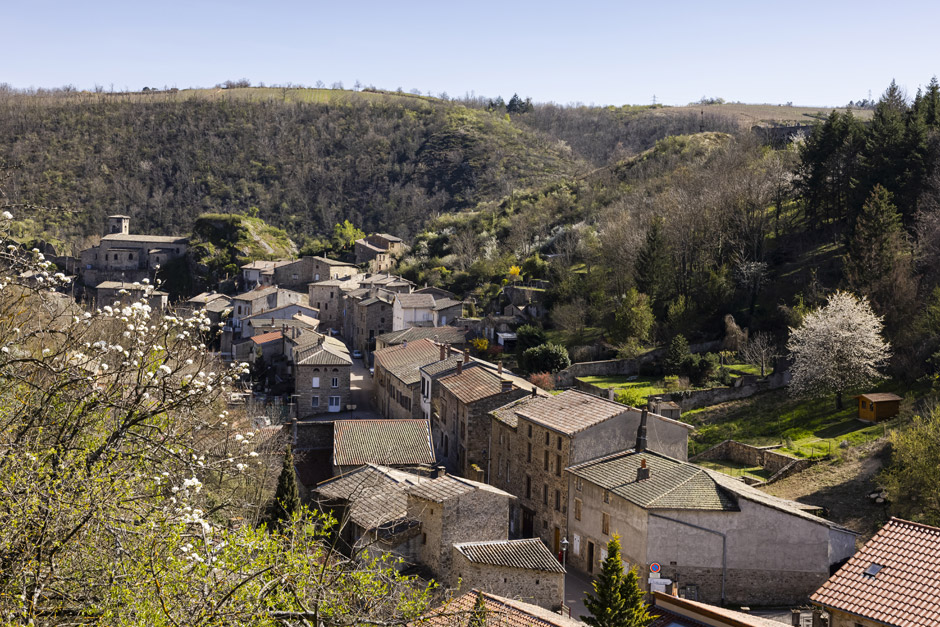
(777, 464)
(693, 399)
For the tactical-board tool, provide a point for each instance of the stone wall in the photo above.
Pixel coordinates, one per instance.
(532, 586)
(777, 464)
(693, 399)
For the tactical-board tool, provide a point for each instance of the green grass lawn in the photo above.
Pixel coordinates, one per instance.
(807, 428)
(738, 370)
(638, 385)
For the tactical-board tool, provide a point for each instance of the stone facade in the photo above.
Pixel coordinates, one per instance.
(322, 373)
(378, 250)
(469, 517)
(371, 318)
(120, 256)
(538, 587)
(328, 298)
(300, 273)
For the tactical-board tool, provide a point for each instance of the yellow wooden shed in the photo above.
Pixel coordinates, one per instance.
(878, 406)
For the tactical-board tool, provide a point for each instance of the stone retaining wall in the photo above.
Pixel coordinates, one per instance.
(777, 464)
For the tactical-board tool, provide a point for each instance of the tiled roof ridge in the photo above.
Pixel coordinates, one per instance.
(895, 519)
(692, 476)
(484, 542)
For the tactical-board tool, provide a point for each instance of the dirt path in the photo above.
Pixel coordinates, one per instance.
(843, 487)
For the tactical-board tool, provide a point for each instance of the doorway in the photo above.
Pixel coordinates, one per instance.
(528, 523)
(590, 558)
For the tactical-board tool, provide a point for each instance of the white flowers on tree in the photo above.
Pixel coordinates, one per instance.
(129, 495)
(837, 348)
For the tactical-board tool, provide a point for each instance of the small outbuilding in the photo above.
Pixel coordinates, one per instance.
(878, 406)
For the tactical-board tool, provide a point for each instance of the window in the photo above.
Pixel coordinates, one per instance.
(557, 465)
(507, 470)
(545, 494)
(606, 496)
(546, 460)
(316, 277)
(557, 500)
(315, 382)
(528, 455)
(578, 484)
(605, 523)
(335, 382)
(334, 403)
(577, 509)
(528, 486)
(548, 438)
(315, 401)
(530, 431)
(559, 443)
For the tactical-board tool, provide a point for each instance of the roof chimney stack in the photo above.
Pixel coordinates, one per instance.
(499, 367)
(466, 354)
(641, 433)
(642, 472)
(443, 352)
(505, 385)
(460, 366)
(534, 392)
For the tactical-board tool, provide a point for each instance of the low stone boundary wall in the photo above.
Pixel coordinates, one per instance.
(693, 399)
(777, 464)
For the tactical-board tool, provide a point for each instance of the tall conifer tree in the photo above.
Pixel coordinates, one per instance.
(286, 496)
(617, 600)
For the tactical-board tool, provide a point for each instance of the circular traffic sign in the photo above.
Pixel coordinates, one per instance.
(654, 567)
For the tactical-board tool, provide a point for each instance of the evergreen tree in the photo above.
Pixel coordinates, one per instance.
(633, 318)
(286, 496)
(886, 148)
(931, 104)
(653, 265)
(676, 354)
(617, 600)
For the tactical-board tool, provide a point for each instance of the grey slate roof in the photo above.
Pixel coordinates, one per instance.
(377, 495)
(448, 486)
(163, 239)
(529, 554)
(413, 301)
(438, 367)
(444, 303)
(403, 361)
(507, 413)
(571, 411)
(448, 335)
(382, 441)
(260, 292)
(672, 484)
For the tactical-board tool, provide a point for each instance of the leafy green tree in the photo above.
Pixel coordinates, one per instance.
(345, 235)
(617, 600)
(546, 357)
(676, 355)
(286, 496)
(529, 336)
(653, 270)
(913, 474)
(633, 318)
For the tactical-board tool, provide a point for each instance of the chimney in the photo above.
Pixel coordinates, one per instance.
(641, 433)
(499, 367)
(404, 343)
(460, 366)
(505, 385)
(466, 354)
(293, 429)
(534, 392)
(443, 352)
(642, 472)
(438, 471)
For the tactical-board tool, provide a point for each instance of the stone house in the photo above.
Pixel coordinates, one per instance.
(378, 251)
(397, 377)
(721, 540)
(328, 297)
(894, 579)
(260, 300)
(218, 307)
(110, 292)
(260, 273)
(322, 369)
(297, 274)
(423, 310)
(412, 516)
(371, 317)
(500, 610)
(290, 315)
(404, 444)
(460, 419)
(521, 569)
(120, 256)
(387, 282)
(533, 440)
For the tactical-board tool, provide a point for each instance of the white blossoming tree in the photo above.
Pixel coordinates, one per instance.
(837, 348)
(127, 494)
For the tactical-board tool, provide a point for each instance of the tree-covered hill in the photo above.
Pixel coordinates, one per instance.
(383, 161)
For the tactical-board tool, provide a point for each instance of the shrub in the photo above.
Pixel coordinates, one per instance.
(545, 358)
(631, 397)
(480, 344)
(676, 354)
(544, 380)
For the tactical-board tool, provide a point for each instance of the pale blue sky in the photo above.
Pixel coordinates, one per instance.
(812, 53)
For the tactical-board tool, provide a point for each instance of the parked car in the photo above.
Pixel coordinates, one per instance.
(357, 354)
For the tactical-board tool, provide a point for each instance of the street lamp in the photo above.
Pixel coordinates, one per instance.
(564, 555)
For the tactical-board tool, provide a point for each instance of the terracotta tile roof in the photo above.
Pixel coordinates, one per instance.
(449, 335)
(906, 590)
(264, 338)
(571, 411)
(530, 554)
(449, 364)
(448, 486)
(403, 361)
(500, 612)
(471, 385)
(382, 441)
(377, 495)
